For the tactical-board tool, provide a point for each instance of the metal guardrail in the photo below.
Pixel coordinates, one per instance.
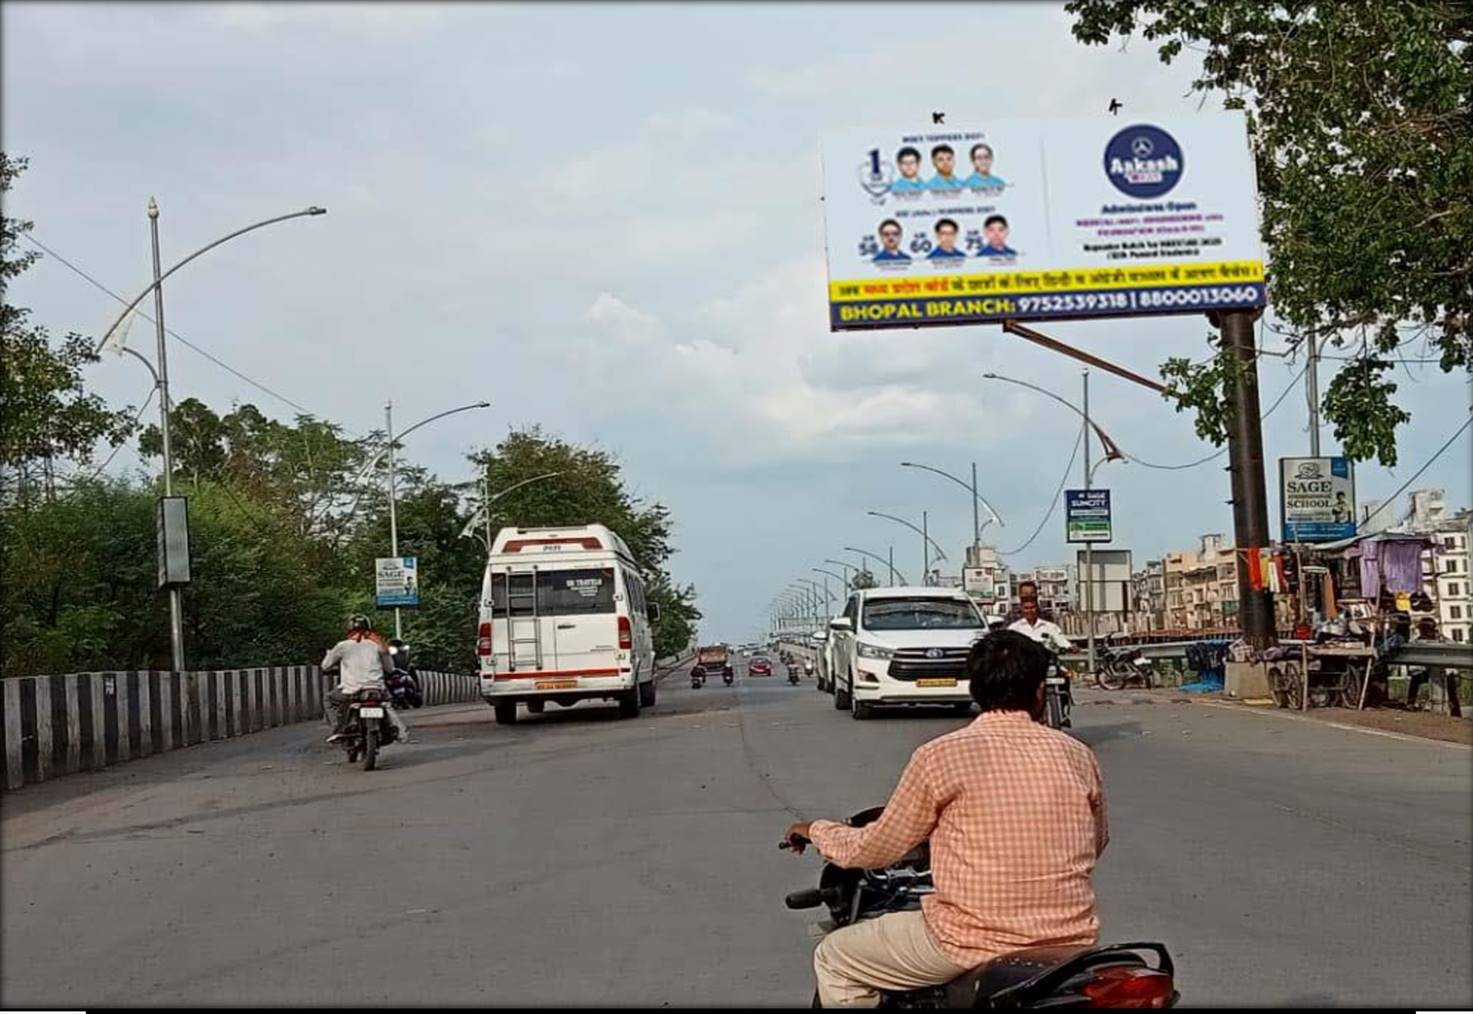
(1438, 654)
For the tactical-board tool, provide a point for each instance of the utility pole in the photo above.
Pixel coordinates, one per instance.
(925, 549)
(176, 594)
(393, 510)
(1245, 465)
(1089, 554)
(976, 522)
(1312, 378)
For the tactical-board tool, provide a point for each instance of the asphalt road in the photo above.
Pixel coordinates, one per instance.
(579, 858)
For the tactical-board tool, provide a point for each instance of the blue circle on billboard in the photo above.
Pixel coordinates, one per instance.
(1143, 161)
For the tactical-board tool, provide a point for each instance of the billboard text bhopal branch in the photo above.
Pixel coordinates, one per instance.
(1035, 220)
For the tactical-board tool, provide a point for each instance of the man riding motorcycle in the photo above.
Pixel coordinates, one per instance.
(361, 661)
(1015, 815)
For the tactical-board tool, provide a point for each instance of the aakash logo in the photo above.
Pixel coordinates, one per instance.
(1143, 161)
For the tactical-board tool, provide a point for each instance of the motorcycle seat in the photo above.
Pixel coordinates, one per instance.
(1004, 972)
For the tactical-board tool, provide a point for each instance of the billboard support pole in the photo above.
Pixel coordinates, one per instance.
(1245, 457)
(393, 510)
(1089, 547)
(1013, 327)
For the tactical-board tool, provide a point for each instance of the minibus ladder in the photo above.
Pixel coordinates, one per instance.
(521, 604)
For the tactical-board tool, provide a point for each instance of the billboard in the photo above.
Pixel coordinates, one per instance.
(1087, 515)
(397, 580)
(171, 521)
(1109, 580)
(1039, 220)
(1316, 499)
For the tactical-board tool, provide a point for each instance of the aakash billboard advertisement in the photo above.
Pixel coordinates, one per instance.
(1038, 220)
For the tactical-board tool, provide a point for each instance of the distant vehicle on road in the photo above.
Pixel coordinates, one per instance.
(564, 619)
(712, 660)
(759, 666)
(904, 646)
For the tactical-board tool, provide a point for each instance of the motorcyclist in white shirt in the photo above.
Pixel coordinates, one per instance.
(1045, 632)
(362, 662)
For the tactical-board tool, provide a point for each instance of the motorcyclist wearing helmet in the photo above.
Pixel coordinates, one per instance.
(361, 661)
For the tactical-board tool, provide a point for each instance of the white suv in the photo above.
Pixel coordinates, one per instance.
(904, 646)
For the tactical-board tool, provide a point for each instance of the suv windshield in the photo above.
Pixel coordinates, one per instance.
(919, 614)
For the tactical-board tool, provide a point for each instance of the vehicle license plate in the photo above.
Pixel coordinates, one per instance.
(935, 683)
(557, 684)
(371, 712)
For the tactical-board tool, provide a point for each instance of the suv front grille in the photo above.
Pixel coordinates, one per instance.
(911, 664)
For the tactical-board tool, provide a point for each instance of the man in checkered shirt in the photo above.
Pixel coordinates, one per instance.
(1015, 815)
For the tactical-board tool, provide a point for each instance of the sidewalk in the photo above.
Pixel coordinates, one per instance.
(1422, 724)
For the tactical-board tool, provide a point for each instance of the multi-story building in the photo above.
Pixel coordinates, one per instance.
(986, 579)
(1454, 583)
(1055, 587)
(1149, 590)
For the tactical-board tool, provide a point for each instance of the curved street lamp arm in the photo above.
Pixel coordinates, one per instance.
(964, 485)
(1112, 449)
(879, 559)
(518, 485)
(368, 467)
(842, 563)
(202, 250)
(144, 360)
(940, 553)
(830, 573)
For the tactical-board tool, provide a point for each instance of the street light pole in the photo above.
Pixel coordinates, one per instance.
(393, 506)
(176, 595)
(159, 278)
(1089, 555)
(888, 561)
(393, 492)
(925, 549)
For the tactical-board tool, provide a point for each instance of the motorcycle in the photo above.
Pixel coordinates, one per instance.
(368, 728)
(793, 674)
(1122, 667)
(403, 682)
(697, 678)
(1057, 697)
(404, 690)
(727, 675)
(1114, 975)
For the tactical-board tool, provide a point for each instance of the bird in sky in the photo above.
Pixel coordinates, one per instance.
(1115, 106)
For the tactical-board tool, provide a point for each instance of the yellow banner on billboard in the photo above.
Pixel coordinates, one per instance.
(1061, 280)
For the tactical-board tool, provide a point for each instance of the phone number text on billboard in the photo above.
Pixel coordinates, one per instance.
(856, 315)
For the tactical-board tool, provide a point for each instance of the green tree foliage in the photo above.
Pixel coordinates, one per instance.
(1363, 140)
(286, 521)
(48, 416)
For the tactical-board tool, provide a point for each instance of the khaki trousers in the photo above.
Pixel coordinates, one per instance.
(895, 951)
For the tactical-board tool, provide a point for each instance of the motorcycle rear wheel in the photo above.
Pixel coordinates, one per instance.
(1109, 679)
(370, 749)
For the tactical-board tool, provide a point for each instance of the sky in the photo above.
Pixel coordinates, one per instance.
(606, 220)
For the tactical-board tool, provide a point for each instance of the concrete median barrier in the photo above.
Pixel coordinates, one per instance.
(63, 724)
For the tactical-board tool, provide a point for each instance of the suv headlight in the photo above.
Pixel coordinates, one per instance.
(874, 651)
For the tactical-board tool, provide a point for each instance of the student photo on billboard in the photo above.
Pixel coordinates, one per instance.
(943, 159)
(982, 178)
(946, 231)
(908, 160)
(995, 231)
(890, 236)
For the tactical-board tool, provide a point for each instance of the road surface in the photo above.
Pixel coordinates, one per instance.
(580, 858)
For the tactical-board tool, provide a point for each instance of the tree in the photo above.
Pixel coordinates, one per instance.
(49, 416)
(1360, 120)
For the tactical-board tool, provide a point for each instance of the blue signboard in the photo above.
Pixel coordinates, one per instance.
(1087, 515)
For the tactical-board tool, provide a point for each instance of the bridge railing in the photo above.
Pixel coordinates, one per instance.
(63, 724)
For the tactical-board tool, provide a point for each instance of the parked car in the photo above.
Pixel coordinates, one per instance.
(903, 646)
